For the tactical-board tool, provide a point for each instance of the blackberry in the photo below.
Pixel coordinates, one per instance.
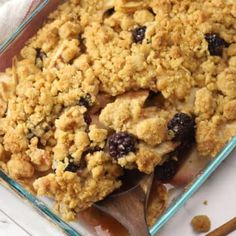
(139, 34)
(120, 144)
(182, 125)
(167, 170)
(71, 167)
(215, 44)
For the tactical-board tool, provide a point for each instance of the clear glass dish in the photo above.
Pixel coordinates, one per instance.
(8, 50)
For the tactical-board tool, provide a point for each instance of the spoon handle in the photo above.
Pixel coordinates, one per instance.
(129, 210)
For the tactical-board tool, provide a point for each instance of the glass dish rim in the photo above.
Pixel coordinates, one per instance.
(171, 210)
(15, 33)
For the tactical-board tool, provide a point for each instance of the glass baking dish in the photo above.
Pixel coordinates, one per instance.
(178, 198)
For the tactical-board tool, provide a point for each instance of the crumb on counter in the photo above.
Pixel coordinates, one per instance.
(205, 202)
(201, 223)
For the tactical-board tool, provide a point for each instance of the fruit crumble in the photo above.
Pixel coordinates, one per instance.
(110, 85)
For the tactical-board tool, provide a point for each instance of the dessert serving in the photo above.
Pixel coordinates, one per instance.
(115, 85)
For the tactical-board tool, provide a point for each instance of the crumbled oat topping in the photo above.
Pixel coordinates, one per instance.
(92, 70)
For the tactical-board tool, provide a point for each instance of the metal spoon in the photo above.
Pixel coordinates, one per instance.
(128, 204)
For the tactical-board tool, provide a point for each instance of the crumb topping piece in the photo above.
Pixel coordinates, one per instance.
(201, 223)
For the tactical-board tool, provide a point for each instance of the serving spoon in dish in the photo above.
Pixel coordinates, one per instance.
(128, 207)
(128, 204)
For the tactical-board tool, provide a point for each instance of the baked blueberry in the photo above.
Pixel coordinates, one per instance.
(215, 44)
(139, 34)
(85, 101)
(71, 167)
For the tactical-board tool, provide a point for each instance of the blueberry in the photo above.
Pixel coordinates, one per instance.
(215, 44)
(120, 144)
(71, 167)
(85, 101)
(139, 34)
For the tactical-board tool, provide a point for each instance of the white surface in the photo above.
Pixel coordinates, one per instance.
(219, 191)
(19, 218)
(12, 11)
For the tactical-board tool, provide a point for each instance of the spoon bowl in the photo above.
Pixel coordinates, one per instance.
(128, 204)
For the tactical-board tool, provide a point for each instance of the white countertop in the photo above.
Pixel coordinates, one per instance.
(17, 218)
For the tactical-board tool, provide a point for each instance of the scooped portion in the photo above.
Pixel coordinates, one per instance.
(106, 86)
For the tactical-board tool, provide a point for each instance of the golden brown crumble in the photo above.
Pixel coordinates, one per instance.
(82, 77)
(201, 223)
